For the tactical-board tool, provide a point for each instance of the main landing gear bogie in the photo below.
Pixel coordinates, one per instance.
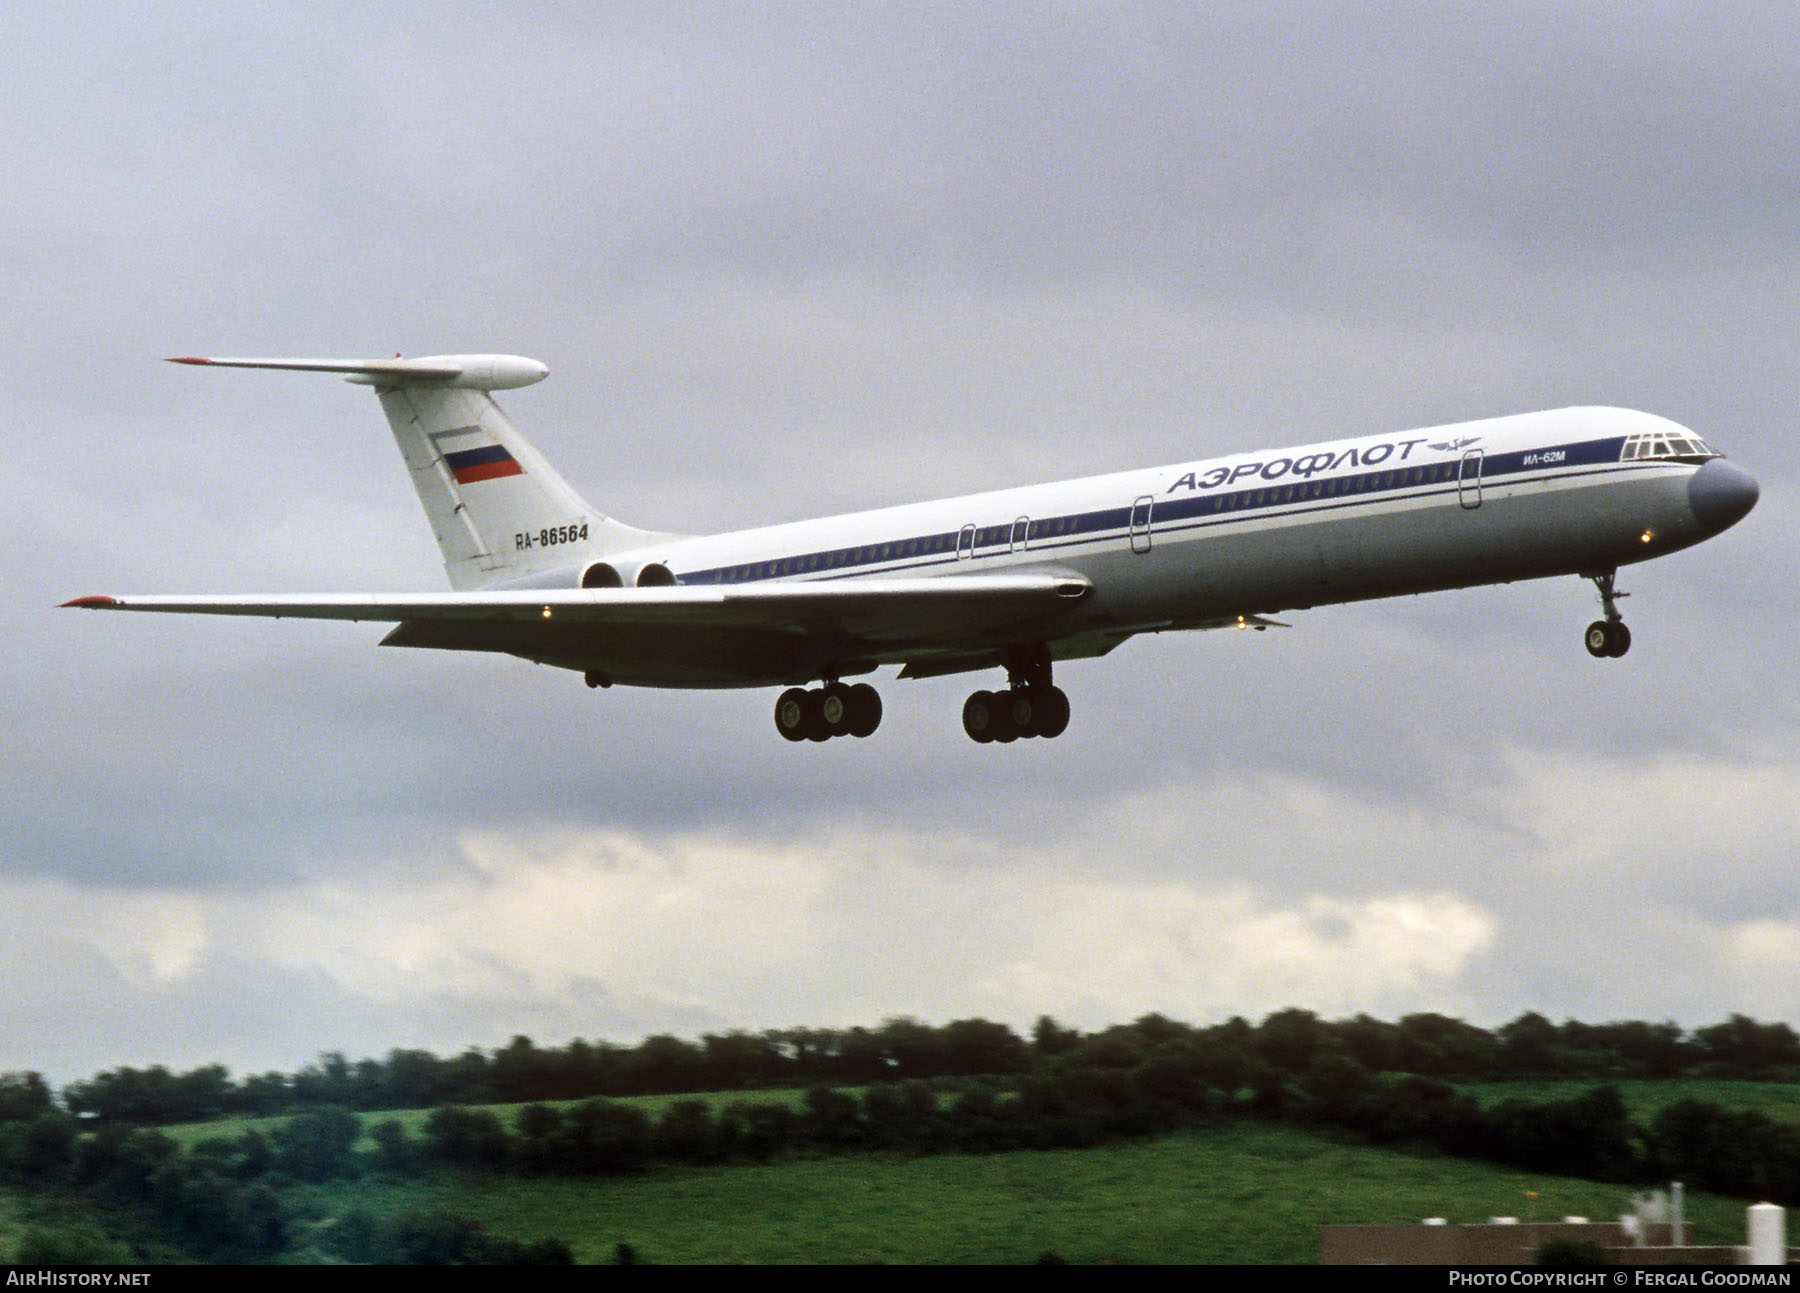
(1030, 706)
(828, 711)
(1005, 716)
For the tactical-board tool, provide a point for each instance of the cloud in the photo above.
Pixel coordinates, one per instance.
(1196, 899)
(585, 927)
(1711, 835)
(1195, 953)
(1766, 957)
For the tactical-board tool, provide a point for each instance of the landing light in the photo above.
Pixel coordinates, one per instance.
(546, 612)
(1646, 536)
(1241, 623)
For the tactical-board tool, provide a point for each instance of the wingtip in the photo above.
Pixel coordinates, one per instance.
(93, 603)
(187, 359)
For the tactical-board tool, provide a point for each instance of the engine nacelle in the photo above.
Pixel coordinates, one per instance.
(603, 574)
(597, 574)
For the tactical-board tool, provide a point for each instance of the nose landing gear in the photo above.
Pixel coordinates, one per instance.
(1608, 637)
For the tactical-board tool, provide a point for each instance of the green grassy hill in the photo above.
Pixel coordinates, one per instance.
(1245, 1192)
(1242, 1193)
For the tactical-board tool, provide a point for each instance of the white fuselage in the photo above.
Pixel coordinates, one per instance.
(1201, 544)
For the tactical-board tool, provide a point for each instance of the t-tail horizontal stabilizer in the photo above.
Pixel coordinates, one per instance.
(464, 372)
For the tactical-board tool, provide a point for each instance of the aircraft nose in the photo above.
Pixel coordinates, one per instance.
(1721, 493)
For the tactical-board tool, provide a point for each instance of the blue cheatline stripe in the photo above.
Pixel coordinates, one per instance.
(1287, 498)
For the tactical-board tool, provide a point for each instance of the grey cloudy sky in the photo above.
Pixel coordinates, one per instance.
(790, 259)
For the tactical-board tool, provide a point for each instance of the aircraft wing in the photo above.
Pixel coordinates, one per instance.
(879, 618)
(863, 606)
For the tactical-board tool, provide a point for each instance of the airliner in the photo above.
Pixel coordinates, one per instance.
(1017, 579)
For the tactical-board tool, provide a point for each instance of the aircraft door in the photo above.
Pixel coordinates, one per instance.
(1140, 523)
(1468, 480)
(965, 543)
(1021, 532)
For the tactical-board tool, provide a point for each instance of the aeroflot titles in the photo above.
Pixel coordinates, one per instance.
(1307, 465)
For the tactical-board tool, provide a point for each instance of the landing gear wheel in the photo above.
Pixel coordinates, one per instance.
(1022, 709)
(1607, 639)
(1005, 730)
(979, 713)
(1052, 713)
(1037, 711)
(793, 713)
(834, 711)
(865, 710)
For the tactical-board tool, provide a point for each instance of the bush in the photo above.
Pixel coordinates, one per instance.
(394, 1150)
(449, 1239)
(462, 1137)
(72, 1245)
(215, 1217)
(603, 1136)
(41, 1150)
(687, 1132)
(315, 1146)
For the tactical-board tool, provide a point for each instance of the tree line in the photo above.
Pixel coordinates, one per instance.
(972, 1087)
(904, 1049)
(232, 1197)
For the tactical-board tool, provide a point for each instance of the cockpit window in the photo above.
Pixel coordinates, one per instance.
(1678, 448)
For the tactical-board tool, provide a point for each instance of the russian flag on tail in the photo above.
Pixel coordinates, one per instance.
(472, 454)
(489, 462)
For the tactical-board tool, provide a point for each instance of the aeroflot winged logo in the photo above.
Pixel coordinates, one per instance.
(474, 461)
(1461, 442)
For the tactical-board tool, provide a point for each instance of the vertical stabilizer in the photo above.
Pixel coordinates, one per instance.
(499, 510)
